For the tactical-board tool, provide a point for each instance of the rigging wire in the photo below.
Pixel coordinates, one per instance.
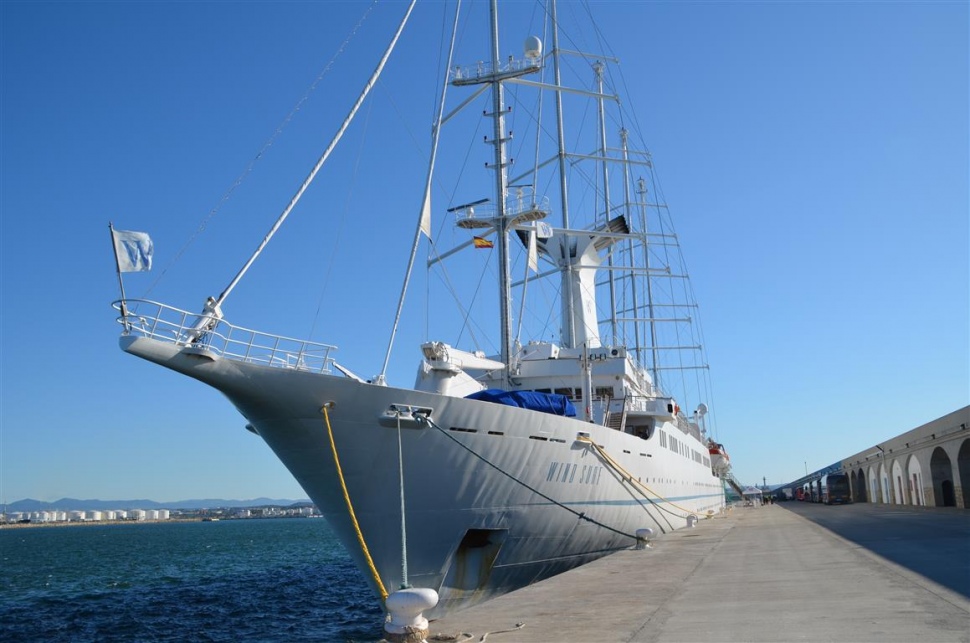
(468, 321)
(579, 514)
(343, 220)
(703, 384)
(423, 226)
(375, 75)
(262, 150)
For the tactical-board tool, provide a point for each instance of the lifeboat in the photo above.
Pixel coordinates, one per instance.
(720, 461)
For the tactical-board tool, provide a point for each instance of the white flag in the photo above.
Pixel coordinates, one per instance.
(133, 250)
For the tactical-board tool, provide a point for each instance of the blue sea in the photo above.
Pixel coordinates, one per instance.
(231, 580)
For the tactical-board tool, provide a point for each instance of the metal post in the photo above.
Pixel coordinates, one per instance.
(121, 283)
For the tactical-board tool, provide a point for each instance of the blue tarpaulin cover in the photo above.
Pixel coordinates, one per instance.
(532, 400)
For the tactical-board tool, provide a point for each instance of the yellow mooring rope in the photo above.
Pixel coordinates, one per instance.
(629, 476)
(350, 509)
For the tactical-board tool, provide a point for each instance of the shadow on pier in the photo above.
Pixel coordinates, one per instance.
(929, 541)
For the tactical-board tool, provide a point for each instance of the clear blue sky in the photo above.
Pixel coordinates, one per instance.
(814, 154)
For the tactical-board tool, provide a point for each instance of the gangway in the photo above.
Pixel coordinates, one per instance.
(731, 480)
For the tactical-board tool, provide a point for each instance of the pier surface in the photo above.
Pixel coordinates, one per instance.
(786, 572)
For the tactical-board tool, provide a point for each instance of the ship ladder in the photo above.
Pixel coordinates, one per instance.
(734, 484)
(616, 419)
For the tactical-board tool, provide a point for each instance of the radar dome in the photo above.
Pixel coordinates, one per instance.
(533, 48)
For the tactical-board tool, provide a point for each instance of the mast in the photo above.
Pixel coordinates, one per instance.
(494, 76)
(501, 190)
(568, 331)
(631, 249)
(598, 68)
(654, 350)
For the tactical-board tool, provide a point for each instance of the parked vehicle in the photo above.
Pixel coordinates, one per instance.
(835, 489)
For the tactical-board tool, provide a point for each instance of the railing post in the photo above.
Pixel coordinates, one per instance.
(249, 346)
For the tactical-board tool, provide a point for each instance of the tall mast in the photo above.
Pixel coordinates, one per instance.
(598, 68)
(495, 75)
(654, 349)
(568, 330)
(631, 248)
(501, 190)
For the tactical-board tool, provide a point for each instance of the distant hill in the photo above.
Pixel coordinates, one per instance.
(73, 504)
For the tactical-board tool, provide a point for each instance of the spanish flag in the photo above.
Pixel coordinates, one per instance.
(483, 243)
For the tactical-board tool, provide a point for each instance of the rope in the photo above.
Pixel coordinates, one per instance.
(629, 477)
(635, 482)
(518, 626)
(404, 531)
(350, 509)
(578, 514)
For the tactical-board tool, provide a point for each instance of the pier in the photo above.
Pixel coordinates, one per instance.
(785, 572)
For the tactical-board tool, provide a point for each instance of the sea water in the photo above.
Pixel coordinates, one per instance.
(230, 580)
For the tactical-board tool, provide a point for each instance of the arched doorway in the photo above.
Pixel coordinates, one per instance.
(899, 484)
(860, 486)
(873, 485)
(884, 483)
(914, 474)
(942, 472)
(963, 464)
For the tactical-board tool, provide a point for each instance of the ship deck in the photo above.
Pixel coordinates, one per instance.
(772, 573)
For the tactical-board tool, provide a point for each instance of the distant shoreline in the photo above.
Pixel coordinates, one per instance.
(92, 523)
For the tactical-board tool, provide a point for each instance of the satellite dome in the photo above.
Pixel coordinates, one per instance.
(533, 48)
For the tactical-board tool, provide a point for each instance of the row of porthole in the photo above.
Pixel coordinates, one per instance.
(543, 438)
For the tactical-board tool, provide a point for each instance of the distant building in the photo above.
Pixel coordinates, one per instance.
(929, 465)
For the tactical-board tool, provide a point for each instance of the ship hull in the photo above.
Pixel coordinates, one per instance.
(495, 497)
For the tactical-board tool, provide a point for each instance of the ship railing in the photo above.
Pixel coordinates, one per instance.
(684, 425)
(519, 209)
(483, 70)
(164, 323)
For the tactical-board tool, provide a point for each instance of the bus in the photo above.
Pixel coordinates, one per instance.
(835, 489)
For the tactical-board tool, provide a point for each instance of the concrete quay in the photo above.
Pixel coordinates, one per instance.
(771, 573)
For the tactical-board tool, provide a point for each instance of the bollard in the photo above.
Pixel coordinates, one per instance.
(643, 538)
(406, 623)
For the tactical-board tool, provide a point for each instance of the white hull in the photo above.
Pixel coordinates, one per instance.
(518, 537)
(495, 497)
